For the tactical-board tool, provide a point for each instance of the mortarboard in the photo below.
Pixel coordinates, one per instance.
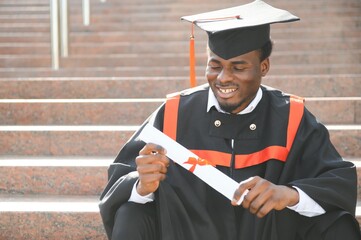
(237, 30)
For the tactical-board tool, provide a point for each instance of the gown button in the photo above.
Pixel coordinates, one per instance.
(252, 126)
(217, 123)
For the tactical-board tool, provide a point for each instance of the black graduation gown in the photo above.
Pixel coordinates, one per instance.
(188, 209)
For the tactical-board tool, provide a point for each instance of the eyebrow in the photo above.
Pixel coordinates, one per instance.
(233, 62)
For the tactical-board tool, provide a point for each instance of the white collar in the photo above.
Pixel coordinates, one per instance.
(212, 101)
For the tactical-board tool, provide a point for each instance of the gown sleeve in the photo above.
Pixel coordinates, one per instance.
(122, 174)
(318, 169)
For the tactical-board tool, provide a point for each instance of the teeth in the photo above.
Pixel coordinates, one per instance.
(226, 90)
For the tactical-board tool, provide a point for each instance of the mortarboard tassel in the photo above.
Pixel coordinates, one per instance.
(192, 62)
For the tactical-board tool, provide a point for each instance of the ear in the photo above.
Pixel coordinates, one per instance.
(265, 66)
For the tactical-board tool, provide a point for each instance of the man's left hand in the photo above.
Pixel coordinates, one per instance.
(264, 196)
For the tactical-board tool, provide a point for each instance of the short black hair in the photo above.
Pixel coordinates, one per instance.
(266, 50)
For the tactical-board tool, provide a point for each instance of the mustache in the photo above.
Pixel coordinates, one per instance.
(225, 85)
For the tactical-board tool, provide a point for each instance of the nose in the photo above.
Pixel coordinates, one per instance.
(225, 75)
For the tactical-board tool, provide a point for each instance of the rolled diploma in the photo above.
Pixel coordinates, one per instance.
(179, 154)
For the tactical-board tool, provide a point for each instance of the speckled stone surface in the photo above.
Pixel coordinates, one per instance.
(335, 111)
(73, 113)
(59, 143)
(329, 111)
(347, 142)
(330, 85)
(108, 143)
(69, 180)
(51, 226)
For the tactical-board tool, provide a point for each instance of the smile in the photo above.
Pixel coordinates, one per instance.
(227, 90)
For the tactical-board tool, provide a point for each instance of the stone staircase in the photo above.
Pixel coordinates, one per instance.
(59, 130)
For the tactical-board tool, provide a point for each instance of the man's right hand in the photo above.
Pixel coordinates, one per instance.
(152, 164)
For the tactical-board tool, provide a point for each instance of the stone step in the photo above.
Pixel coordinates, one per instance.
(53, 175)
(171, 59)
(155, 22)
(65, 176)
(16, 18)
(162, 6)
(299, 70)
(47, 218)
(64, 140)
(107, 140)
(80, 111)
(134, 111)
(180, 34)
(90, 48)
(44, 217)
(153, 8)
(348, 85)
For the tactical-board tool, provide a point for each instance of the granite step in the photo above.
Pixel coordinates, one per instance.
(133, 36)
(65, 176)
(65, 87)
(79, 111)
(171, 59)
(156, 20)
(147, 22)
(26, 175)
(107, 140)
(43, 217)
(117, 111)
(47, 217)
(19, 223)
(170, 36)
(181, 34)
(91, 48)
(170, 71)
(158, 5)
(64, 140)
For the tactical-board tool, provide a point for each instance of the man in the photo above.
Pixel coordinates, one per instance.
(298, 185)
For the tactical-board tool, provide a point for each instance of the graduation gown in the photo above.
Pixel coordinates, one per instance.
(188, 209)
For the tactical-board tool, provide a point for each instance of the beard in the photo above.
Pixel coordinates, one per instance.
(229, 107)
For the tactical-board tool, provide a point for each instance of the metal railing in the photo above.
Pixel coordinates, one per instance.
(59, 11)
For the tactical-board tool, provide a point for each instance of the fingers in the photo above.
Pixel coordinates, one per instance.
(152, 164)
(151, 148)
(152, 154)
(262, 196)
(260, 202)
(243, 190)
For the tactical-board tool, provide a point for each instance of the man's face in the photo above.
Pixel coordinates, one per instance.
(235, 81)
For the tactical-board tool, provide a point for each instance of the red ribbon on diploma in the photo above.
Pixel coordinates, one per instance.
(199, 161)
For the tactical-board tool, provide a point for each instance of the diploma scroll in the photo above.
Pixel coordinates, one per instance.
(190, 161)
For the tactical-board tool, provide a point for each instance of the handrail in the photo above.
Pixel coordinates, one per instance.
(54, 26)
(59, 26)
(86, 12)
(64, 31)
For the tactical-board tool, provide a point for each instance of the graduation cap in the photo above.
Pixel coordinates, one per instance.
(237, 30)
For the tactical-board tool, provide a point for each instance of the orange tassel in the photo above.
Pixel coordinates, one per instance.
(192, 62)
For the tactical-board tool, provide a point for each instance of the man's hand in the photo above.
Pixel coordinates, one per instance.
(264, 196)
(152, 166)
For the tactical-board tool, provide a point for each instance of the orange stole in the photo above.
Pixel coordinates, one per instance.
(241, 160)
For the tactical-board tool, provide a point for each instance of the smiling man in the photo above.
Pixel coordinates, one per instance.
(236, 81)
(297, 186)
